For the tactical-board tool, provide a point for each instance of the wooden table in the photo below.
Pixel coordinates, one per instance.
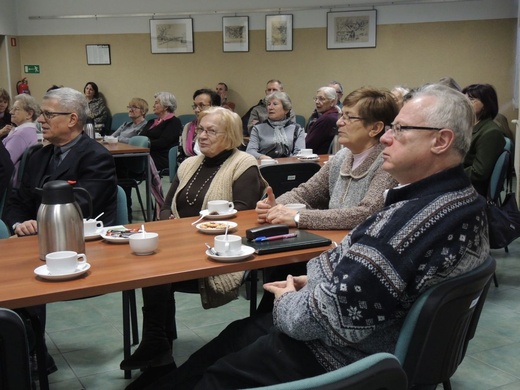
(119, 149)
(181, 256)
(285, 160)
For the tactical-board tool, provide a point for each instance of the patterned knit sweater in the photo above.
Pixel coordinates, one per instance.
(338, 197)
(358, 294)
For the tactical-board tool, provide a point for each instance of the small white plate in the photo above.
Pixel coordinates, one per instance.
(217, 216)
(113, 239)
(246, 251)
(44, 273)
(204, 228)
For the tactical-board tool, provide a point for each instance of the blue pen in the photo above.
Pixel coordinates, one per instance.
(272, 238)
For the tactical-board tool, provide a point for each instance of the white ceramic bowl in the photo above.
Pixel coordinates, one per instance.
(144, 243)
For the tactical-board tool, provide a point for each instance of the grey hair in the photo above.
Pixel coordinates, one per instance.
(329, 92)
(29, 104)
(283, 97)
(167, 100)
(71, 100)
(334, 82)
(452, 110)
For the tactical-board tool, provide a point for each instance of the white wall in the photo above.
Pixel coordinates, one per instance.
(420, 11)
(7, 17)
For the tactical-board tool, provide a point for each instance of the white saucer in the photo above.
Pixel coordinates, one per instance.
(204, 228)
(44, 273)
(219, 216)
(94, 236)
(246, 251)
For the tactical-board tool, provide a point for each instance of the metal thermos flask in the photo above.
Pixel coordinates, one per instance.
(89, 130)
(60, 220)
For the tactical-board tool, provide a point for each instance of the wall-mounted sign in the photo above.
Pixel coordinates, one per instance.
(31, 68)
(98, 54)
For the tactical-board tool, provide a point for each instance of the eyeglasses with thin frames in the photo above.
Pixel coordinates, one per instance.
(50, 114)
(210, 132)
(133, 108)
(201, 107)
(348, 118)
(397, 128)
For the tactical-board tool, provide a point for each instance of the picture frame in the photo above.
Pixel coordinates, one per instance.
(171, 35)
(351, 29)
(98, 54)
(279, 32)
(235, 33)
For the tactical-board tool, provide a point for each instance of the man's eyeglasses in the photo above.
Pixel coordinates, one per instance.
(133, 108)
(210, 132)
(49, 114)
(397, 129)
(201, 107)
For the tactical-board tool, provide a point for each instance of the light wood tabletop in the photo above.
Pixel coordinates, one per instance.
(180, 256)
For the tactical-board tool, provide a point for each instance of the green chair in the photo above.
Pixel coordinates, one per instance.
(118, 119)
(186, 118)
(172, 164)
(4, 230)
(300, 119)
(380, 371)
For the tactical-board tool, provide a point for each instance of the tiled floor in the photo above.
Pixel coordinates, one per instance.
(85, 336)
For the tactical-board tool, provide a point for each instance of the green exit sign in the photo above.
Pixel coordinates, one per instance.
(32, 68)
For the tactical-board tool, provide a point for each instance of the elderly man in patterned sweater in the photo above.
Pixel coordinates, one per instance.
(354, 299)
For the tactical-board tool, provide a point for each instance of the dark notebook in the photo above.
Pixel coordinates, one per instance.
(303, 240)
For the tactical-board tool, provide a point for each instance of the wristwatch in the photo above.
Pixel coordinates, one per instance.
(297, 219)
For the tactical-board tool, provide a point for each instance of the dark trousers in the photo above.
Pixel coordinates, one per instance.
(248, 353)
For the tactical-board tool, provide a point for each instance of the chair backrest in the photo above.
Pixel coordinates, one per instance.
(285, 177)
(15, 372)
(150, 116)
(26, 156)
(300, 119)
(172, 162)
(440, 324)
(501, 172)
(122, 207)
(4, 230)
(118, 119)
(380, 371)
(186, 118)
(137, 164)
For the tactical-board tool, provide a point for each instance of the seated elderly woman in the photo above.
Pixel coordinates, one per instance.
(163, 131)
(278, 135)
(137, 109)
(97, 106)
(202, 99)
(346, 190)
(321, 128)
(5, 116)
(220, 172)
(24, 112)
(487, 140)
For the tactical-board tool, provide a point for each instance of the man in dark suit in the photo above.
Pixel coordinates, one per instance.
(71, 156)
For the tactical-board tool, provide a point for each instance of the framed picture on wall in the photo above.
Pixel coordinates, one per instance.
(278, 32)
(351, 29)
(171, 35)
(235, 33)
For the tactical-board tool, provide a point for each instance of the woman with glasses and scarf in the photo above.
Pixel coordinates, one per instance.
(202, 100)
(278, 136)
(220, 172)
(137, 109)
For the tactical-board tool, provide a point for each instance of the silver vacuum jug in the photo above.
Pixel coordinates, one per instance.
(60, 220)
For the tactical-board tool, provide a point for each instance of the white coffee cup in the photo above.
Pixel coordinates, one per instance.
(228, 247)
(305, 152)
(220, 206)
(144, 243)
(64, 262)
(296, 206)
(268, 161)
(91, 226)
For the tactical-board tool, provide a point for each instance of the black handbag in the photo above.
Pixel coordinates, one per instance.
(503, 221)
